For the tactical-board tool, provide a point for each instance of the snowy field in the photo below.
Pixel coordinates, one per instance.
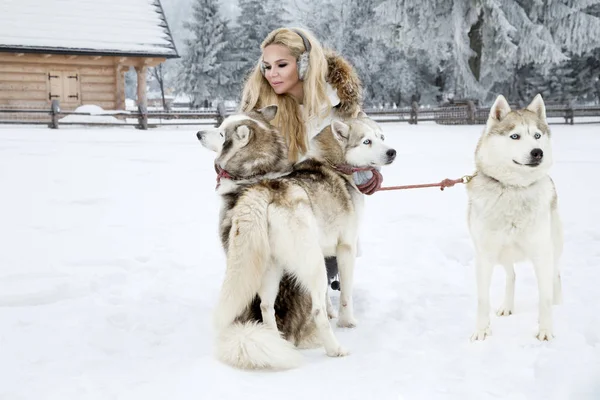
(110, 265)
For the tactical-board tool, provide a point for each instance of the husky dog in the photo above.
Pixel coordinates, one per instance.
(278, 223)
(512, 213)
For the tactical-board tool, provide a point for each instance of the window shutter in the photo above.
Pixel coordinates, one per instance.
(71, 87)
(56, 85)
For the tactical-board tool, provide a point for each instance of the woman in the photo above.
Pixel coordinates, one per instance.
(310, 86)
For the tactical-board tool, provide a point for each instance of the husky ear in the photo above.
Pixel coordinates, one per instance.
(499, 110)
(537, 106)
(340, 130)
(268, 112)
(243, 134)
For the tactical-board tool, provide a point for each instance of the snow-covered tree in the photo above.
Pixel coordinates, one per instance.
(230, 76)
(324, 19)
(201, 63)
(251, 30)
(277, 14)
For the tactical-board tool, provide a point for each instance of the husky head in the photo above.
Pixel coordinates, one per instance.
(515, 146)
(247, 145)
(358, 142)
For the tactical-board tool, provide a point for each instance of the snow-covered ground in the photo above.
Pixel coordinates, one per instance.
(110, 265)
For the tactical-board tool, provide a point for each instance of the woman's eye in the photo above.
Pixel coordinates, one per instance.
(537, 136)
(267, 67)
(514, 136)
(282, 65)
(367, 142)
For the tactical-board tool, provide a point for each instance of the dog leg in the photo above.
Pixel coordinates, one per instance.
(304, 259)
(310, 273)
(544, 271)
(346, 255)
(268, 294)
(557, 287)
(331, 313)
(509, 295)
(316, 281)
(557, 245)
(484, 269)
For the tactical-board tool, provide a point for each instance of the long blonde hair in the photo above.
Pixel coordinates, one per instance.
(258, 93)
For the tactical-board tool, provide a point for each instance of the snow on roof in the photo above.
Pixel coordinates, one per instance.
(105, 27)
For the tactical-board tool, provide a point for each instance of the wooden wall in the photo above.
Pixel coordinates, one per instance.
(33, 80)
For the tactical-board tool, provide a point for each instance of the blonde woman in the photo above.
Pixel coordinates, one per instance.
(310, 86)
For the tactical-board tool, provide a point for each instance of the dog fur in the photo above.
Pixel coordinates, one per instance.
(513, 210)
(277, 225)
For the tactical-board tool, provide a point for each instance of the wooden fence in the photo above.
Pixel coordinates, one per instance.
(144, 119)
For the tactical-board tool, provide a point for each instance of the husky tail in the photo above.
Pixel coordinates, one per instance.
(253, 345)
(248, 345)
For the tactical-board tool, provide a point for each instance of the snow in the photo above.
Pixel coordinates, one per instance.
(111, 265)
(94, 117)
(114, 26)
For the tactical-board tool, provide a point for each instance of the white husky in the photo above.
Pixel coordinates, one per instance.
(513, 212)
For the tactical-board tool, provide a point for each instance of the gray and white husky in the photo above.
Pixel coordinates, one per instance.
(513, 214)
(278, 222)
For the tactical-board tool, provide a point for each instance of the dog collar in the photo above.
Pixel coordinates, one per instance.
(222, 174)
(347, 169)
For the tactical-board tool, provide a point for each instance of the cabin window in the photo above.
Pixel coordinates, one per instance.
(64, 86)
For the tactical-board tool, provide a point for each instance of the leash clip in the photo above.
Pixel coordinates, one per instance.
(467, 178)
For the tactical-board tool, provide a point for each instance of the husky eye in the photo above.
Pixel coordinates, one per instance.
(514, 136)
(221, 133)
(537, 136)
(367, 142)
(382, 138)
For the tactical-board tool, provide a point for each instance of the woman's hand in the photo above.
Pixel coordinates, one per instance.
(373, 184)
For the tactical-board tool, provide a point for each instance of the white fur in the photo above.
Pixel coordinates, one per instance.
(256, 346)
(235, 118)
(373, 154)
(511, 216)
(212, 139)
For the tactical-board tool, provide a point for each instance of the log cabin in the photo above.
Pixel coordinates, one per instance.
(77, 51)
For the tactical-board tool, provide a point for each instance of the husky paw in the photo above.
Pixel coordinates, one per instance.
(347, 322)
(481, 334)
(545, 335)
(338, 352)
(505, 310)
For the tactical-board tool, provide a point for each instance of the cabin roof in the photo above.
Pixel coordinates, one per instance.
(94, 27)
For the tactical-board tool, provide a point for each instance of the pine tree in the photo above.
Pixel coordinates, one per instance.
(201, 63)
(277, 15)
(230, 77)
(249, 33)
(321, 17)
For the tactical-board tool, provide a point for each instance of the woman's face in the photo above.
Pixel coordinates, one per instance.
(281, 71)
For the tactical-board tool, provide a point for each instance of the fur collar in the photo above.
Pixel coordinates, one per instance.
(343, 78)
